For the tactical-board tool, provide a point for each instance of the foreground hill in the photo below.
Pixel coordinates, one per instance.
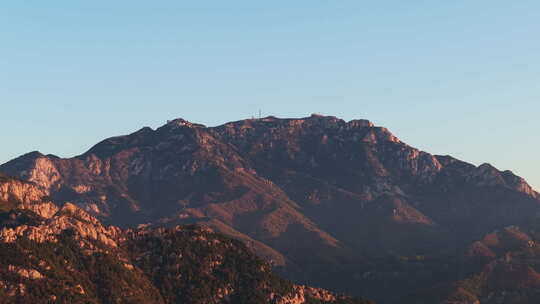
(63, 255)
(341, 205)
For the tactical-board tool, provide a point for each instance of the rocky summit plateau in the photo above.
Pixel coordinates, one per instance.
(344, 206)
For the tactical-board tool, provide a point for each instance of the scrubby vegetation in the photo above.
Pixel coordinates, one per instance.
(68, 274)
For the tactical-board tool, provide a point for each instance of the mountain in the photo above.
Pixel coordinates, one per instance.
(341, 205)
(51, 254)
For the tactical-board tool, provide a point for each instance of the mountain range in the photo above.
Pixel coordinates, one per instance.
(345, 206)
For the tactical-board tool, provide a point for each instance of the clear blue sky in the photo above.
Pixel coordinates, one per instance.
(449, 77)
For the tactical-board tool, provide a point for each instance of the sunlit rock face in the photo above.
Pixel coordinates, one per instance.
(51, 220)
(349, 191)
(12, 189)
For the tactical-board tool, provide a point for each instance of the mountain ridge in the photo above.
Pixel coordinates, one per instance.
(315, 195)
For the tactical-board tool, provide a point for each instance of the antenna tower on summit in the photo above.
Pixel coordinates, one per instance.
(259, 114)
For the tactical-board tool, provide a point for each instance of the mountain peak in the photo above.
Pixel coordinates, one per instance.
(325, 118)
(32, 155)
(360, 123)
(317, 115)
(180, 122)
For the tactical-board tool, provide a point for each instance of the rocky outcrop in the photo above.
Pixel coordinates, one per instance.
(304, 294)
(20, 191)
(25, 273)
(68, 217)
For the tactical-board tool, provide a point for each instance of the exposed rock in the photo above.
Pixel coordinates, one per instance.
(68, 217)
(20, 191)
(25, 273)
